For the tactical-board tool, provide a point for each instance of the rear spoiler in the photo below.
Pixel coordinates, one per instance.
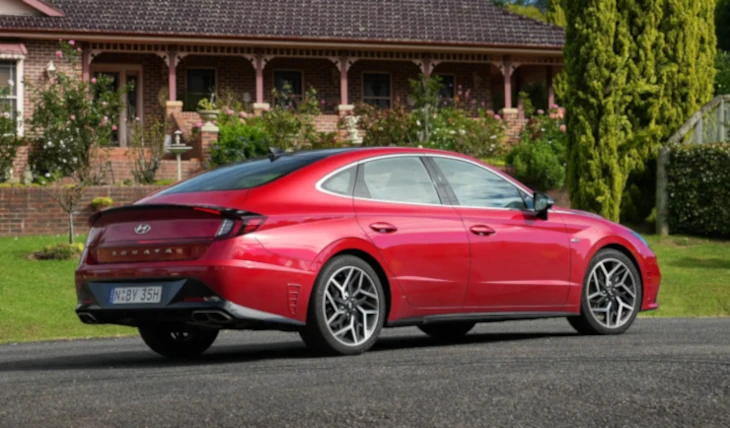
(231, 213)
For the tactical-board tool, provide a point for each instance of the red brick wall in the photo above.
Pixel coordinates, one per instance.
(122, 165)
(31, 211)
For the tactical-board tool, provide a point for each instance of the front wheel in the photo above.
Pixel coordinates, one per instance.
(178, 342)
(611, 296)
(347, 308)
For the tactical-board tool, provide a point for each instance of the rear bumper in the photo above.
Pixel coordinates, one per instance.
(212, 311)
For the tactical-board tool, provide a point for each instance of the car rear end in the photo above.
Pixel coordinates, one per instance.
(189, 255)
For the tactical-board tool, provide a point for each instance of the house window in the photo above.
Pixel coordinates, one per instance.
(200, 83)
(9, 89)
(376, 89)
(447, 91)
(292, 80)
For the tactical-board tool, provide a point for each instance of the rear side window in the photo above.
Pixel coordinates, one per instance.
(341, 183)
(402, 179)
(248, 174)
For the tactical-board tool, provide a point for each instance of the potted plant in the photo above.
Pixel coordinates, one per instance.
(207, 109)
(101, 203)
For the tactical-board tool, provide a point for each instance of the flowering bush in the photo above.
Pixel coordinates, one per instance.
(435, 122)
(539, 157)
(101, 202)
(290, 122)
(8, 137)
(74, 121)
(59, 252)
(390, 127)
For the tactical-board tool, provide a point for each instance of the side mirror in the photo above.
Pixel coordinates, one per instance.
(543, 203)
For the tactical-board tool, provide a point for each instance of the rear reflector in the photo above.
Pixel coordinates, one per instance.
(158, 253)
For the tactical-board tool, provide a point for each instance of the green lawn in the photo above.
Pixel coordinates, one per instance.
(695, 277)
(37, 299)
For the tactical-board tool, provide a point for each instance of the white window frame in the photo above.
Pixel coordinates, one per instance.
(19, 88)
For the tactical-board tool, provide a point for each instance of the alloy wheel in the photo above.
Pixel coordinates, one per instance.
(351, 306)
(612, 291)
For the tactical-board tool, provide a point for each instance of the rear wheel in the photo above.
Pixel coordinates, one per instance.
(611, 296)
(447, 331)
(346, 309)
(178, 342)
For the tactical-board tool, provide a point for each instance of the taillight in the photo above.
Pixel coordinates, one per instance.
(226, 227)
(250, 224)
(91, 237)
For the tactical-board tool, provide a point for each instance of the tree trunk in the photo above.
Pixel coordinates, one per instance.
(71, 227)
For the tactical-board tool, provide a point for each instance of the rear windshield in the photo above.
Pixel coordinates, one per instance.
(248, 174)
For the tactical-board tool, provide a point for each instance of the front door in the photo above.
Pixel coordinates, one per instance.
(130, 116)
(519, 262)
(422, 240)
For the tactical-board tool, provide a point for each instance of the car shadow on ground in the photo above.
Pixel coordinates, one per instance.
(227, 354)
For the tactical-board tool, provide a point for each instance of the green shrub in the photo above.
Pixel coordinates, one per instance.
(101, 202)
(539, 157)
(60, 251)
(238, 139)
(165, 182)
(699, 200)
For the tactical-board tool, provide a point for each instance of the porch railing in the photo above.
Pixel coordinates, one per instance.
(708, 125)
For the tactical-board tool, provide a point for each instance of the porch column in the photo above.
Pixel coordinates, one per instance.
(172, 76)
(520, 100)
(345, 107)
(427, 68)
(260, 106)
(550, 88)
(85, 63)
(507, 72)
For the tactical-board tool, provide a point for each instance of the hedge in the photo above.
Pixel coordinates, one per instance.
(699, 189)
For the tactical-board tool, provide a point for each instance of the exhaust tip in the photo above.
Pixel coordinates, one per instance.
(87, 318)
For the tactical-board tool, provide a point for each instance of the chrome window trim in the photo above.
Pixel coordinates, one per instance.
(518, 186)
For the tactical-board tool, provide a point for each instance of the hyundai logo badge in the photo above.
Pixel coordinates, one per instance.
(142, 229)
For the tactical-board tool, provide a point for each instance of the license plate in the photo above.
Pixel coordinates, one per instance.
(135, 295)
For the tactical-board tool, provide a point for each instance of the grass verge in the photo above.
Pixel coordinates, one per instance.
(37, 298)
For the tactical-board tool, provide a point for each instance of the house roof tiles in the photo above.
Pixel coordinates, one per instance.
(470, 22)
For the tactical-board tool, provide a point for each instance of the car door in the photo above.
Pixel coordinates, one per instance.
(519, 261)
(422, 240)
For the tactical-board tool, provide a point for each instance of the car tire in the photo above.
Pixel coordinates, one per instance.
(347, 308)
(598, 292)
(447, 331)
(178, 342)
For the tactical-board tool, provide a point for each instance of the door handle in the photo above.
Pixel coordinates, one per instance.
(482, 230)
(382, 227)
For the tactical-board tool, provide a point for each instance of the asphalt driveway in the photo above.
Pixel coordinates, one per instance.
(663, 373)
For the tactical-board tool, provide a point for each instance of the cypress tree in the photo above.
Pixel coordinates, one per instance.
(640, 21)
(597, 52)
(686, 61)
(555, 13)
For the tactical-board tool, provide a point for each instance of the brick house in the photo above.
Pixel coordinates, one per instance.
(350, 51)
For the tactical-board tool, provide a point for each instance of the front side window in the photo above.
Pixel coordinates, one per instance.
(9, 89)
(376, 89)
(478, 187)
(402, 179)
(199, 84)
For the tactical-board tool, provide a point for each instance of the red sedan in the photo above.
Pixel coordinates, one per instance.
(337, 244)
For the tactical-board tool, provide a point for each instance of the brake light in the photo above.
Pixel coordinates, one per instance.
(226, 227)
(207, 210)
(251, 224)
